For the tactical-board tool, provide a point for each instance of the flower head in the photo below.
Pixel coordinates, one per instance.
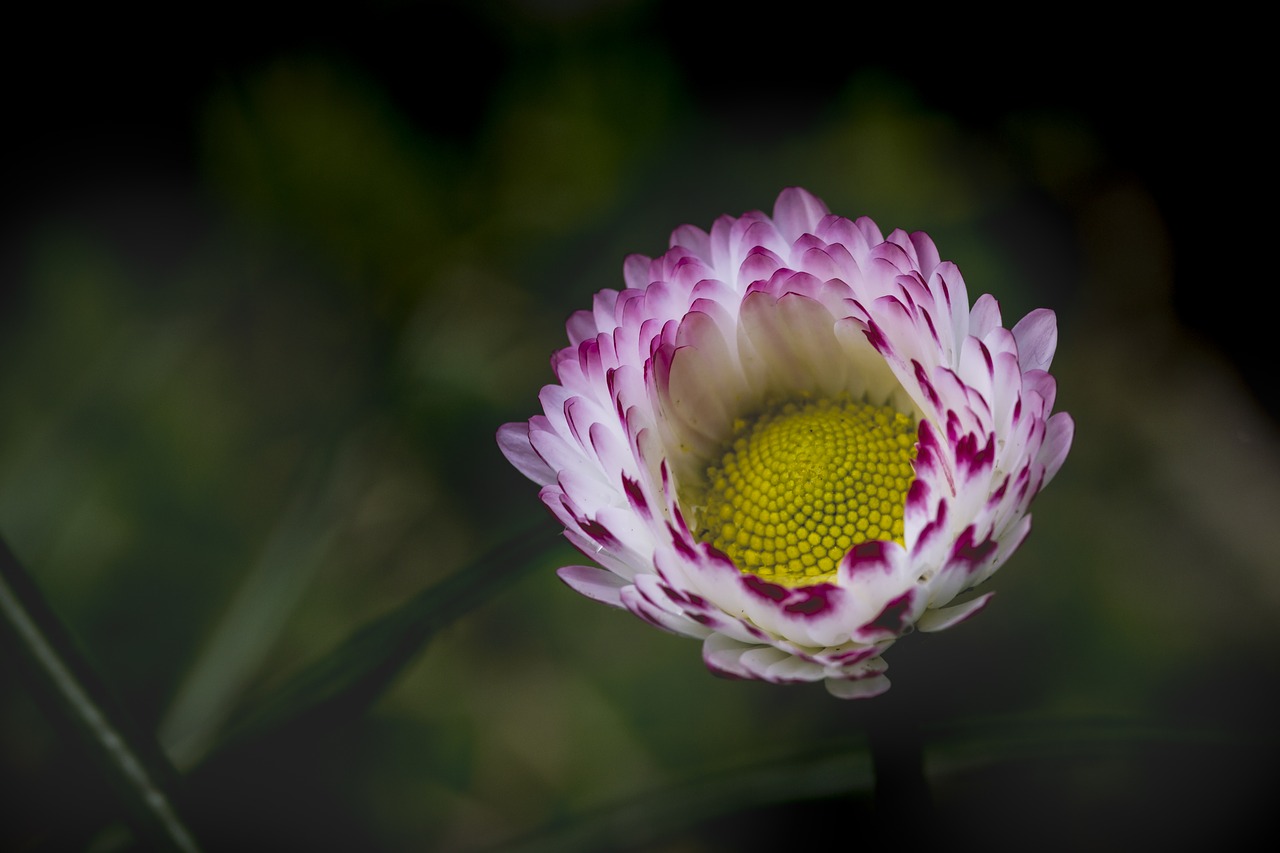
(794, 439)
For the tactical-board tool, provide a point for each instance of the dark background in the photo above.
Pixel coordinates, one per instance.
(96, 93)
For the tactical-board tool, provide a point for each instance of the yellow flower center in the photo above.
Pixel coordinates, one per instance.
(804, 482)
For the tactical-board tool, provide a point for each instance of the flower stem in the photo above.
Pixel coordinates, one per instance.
(903, 801)
(78, 702)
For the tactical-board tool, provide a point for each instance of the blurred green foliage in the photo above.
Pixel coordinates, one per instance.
(249, 410)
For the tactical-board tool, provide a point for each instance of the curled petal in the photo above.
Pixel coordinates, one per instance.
(938, 620)
(513, 441)
(596, 584)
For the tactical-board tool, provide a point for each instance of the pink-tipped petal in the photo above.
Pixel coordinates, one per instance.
(1037, 337)
(798, 212)
(513, 441)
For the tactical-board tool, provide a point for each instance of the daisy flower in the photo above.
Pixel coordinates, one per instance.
(795, 439)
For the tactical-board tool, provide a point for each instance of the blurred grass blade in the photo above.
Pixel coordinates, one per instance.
(789, 801)
(79, 704)
(256, 616)
(343, 684)
(772, 793)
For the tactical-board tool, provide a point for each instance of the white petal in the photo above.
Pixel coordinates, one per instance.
(724, 655)
(1059, 432)
(635, 271)
(797, 212)
(1037, 337)
(596, 584)
(706, 387)
(862, 688)
(692, 238)
(759, 659)
(790, 340)
(659, 618)
(984, 315)
(513, 441)
(946, 617)
(791, 669)
(581, 326)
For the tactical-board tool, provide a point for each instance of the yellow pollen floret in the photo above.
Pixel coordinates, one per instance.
(805, 482)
